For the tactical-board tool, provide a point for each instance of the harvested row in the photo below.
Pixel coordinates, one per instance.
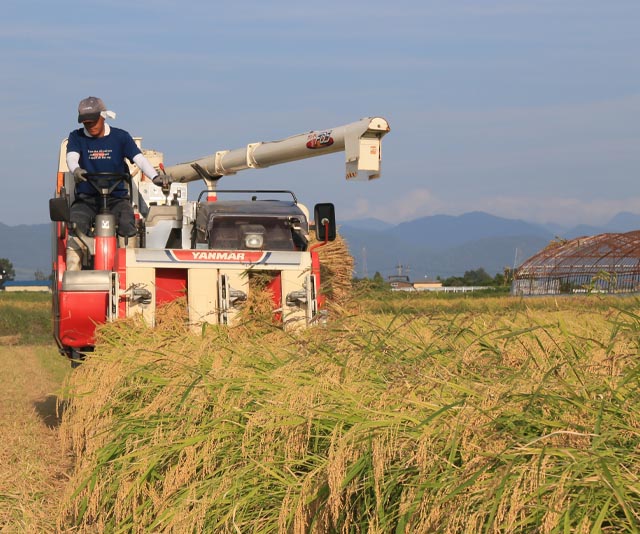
(512, 420)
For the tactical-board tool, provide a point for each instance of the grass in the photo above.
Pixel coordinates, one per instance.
(425, 415)
(33, 462)
(25, 318)
(32, 459)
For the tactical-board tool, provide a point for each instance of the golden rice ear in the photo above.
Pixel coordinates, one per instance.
(259, 304)
(173, 314)
(336, 269)
(453, 414)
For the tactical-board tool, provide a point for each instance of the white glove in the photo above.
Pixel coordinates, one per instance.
(78, 175)
(162, 180)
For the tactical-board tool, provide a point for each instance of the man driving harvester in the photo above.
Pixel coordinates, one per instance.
(95, 148)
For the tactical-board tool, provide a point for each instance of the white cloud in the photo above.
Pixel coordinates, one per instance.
(409, 205)
(568, 211)
(565, 210)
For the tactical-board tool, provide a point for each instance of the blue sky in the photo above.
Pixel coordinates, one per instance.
(525, 109)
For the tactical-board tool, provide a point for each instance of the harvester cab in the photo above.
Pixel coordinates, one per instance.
(211, 251)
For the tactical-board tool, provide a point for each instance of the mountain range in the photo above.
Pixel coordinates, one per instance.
(447, 245)
(427, 247)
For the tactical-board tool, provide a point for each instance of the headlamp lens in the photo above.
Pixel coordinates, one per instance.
(253, 240)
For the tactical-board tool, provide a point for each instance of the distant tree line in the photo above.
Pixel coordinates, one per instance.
(479, 277)
(7, 273)
(41, 276)
(474, 277)
(375, 283)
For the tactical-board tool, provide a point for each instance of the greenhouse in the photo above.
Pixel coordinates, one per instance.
(604, 263)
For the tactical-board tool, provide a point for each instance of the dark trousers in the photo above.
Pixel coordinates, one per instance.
(85, 208)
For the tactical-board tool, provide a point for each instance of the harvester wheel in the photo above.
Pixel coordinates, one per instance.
(76, 358)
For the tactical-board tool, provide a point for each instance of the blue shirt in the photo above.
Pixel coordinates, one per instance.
(103, 154)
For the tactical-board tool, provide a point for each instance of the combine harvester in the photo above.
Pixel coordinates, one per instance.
(206, 250)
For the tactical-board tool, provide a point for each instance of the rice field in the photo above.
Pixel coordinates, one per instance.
(25, 318)
(462, 415)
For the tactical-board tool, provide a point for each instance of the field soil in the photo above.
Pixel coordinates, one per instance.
(33, 465)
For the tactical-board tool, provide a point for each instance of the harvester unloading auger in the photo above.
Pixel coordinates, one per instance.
(207, 250)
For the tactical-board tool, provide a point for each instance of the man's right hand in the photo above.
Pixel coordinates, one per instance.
(164, 181)
(78, 175)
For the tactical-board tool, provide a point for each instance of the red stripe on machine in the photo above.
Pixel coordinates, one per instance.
(225, 256)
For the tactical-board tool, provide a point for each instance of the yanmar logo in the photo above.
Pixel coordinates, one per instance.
(218, 256)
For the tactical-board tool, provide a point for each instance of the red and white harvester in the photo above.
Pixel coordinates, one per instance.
(205, 250)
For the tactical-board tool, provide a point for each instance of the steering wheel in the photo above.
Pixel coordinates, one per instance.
(105, 183)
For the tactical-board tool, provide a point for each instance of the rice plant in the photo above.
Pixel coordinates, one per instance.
(488, 418)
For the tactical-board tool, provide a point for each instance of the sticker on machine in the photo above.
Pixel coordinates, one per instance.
(218, 256)
(319, 139)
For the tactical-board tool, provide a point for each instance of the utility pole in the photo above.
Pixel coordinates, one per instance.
(402, 268)
(365, 272)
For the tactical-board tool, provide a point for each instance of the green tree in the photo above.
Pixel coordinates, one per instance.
(477, 277)
(453, 281)
(39, 275)
(7, 271)
(378, 281)
(474, 277)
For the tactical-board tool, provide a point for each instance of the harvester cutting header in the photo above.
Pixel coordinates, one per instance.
(207, 250)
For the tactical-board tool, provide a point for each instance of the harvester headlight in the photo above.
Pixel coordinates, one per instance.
(254, 240)
(253, 236)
